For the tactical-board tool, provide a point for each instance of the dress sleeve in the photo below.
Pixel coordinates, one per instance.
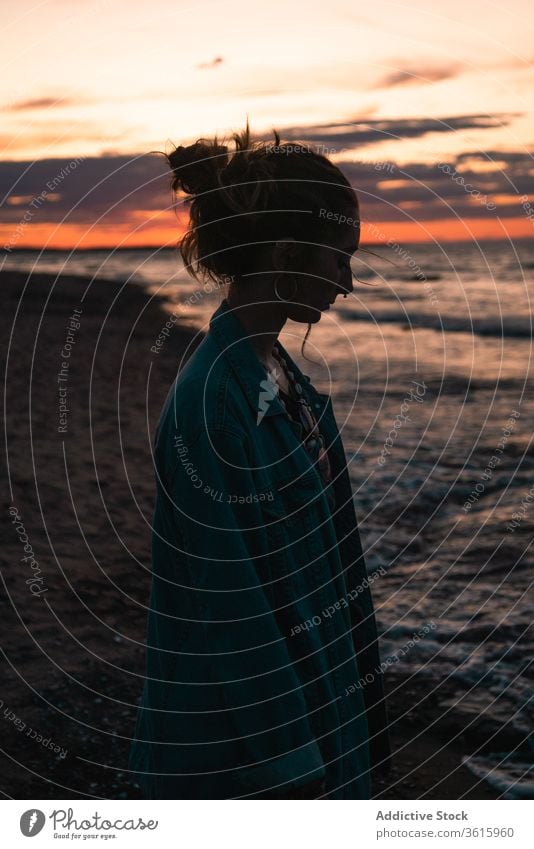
(219, 514)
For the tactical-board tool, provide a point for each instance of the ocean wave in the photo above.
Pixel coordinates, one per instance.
(511, 774)
(517, 327)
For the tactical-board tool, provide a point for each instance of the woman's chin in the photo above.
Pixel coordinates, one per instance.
(306, 315)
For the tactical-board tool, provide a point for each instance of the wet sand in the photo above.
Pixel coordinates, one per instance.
(74, 611)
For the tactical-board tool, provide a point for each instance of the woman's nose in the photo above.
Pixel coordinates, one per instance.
(347, 285)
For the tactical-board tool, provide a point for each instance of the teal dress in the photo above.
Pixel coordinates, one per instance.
(262, 665)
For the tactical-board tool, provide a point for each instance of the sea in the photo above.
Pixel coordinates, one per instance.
(429, 363)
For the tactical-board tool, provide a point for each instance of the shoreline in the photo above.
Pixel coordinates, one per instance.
(75, 657)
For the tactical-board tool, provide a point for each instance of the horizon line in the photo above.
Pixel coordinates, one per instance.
(117, 248)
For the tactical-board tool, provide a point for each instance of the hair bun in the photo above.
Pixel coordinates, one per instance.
(249, 195)
(196, 168)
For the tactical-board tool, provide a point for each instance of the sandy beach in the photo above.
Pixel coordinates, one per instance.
(84, 391)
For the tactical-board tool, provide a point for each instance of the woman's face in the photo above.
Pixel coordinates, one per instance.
(326, 273)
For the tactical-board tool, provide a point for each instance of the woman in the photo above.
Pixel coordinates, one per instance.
(263, 673)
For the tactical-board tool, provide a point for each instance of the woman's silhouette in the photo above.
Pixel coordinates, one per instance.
(263, 672)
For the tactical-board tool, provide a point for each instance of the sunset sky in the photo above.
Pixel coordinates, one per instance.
(398, 91)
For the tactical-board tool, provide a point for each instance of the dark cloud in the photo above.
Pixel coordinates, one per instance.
(106, 190)
(515, 159)
(440, 190)
(106, 187)
(417, 74)
(40, 103)
(214, 63)
(352, 134)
